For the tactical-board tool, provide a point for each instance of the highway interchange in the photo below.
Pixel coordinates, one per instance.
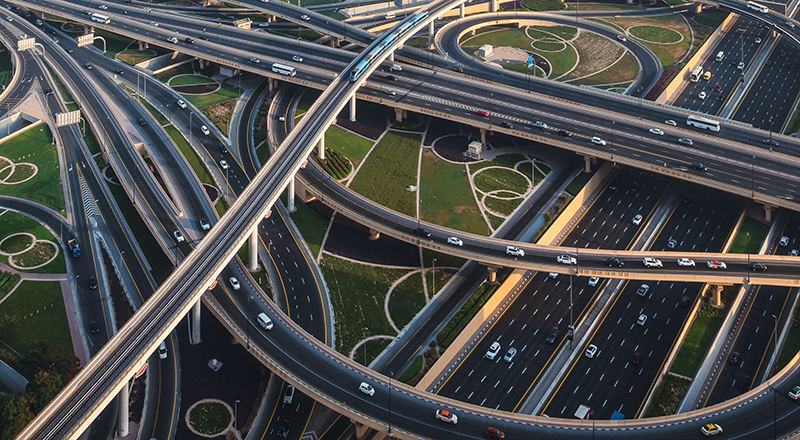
(582, 260)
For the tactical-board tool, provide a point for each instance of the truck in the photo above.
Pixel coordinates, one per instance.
(583, 413)
(76, 249)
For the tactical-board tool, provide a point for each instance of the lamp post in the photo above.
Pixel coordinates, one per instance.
(433, 272)
(571, 328)
(747, 250)
(753, 178)
(613, 125)
(366, 329)
(235, 413)
(249, 297)
(770, 133)
(391, 375)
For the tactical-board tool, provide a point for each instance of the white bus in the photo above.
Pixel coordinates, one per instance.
(100, 18)
(697, 74)
(707, 124)
(283, 69)
(757, 7)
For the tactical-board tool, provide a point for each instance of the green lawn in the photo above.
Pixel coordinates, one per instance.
(792, 345)
(198, 166)
(357, 295)
(749, 237)
(578, 183)
(656, 34)
(134, 56)
(12, 222)
(311, 225)
(221, 207)
(390, 171)
(162, 120)
(185, 80)
(668, 53)
(177, 70)
(668, 396)
(500, 178)
(412, 370)
(34, 147)
(160, 265)
(694, 348)
(227, 92)
(114, 43)
(38, 310)
(210, 418)
(502, 206)
(543, 5)
(446, 197)
(407, 300)
(623, 70)
(353, 146)
(505, 37)
(503, 160)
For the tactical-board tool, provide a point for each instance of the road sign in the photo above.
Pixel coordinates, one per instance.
(85, 40)
(570, 332)
(68, 118)
(25, 44)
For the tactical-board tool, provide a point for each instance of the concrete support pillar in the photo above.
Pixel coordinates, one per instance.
(400, 114)
(88, 29)
(361, 430)
(493, 6)
(374, 235)
(492, 274)
(472, 32)
(716, 296)
(483, 137)
(335, 42)
(124, 412)
(143, 45)
(587, 164)
(273, 84)
(768, 209)
(391, 56)
(461, 10)
(290, 196)
(431, 34)
(321, 147)
(353, 109)
(194, 325)
(253, 250)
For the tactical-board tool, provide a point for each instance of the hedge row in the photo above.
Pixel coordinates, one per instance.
(335, 164)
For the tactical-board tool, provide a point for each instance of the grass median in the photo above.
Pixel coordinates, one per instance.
(33, 147)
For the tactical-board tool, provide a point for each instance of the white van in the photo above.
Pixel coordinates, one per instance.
(515, 251)
(389, 15)
(720, 56)
(264, 321)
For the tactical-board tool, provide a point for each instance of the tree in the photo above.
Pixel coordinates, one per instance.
(15, 414)
(43, 389)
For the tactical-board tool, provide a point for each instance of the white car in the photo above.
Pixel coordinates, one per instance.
(566, 259)
(657, 131)
(305, 17)
(389, 92)
(224, 164)
(685, 262)
(652, 262)
(784, 241)
(642, 319)
(178, 236)
(455, 241)
(740, 66)
(642, 290)
(254, 60)
(758, 40)
(297, 58)
(446, 416)
(514, 251)
(235, 283)
(162, 350)
(553, 275)
(716, 264)
(181, 103)
(366, 389)
(491, 353)
(638, 219)
(153, 23)
(593, 281)
(596, 140)
(591, 351)
(204, 225)
(172, 40)
(671, 122)
(795, 393)
(702, 95)
(103, 7)
(711, 429)
(205, 130)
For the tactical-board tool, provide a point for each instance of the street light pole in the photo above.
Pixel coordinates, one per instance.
(433, 272)
(770, 133)
(747, 249)
(235, 413)
(571, 328)
(366, 329)
(391, 375)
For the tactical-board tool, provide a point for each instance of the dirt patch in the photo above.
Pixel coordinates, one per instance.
(370, 121)
(597, 54)
(351, 240)
(197, 89)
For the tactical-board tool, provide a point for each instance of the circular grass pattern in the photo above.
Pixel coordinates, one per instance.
(17, 243)
(210, 418)
(549, 45)
(22, 172)
(42, 253)
(496, 178)
(656, 34)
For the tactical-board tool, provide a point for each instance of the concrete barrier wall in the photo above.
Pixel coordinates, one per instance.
(676, 85)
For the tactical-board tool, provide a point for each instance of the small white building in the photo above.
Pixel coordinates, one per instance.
(485, 50)
(474, 149)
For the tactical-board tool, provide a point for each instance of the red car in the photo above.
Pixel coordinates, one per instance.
(495, 433)
(718, 88)
(483, 112)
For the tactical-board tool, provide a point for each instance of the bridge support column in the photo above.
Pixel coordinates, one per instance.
(374, 235)
(483, 137)
(253, 250)
(768, 210)
(194, 321)
(391, 56)
(400, 114)
(290, 196)
(124, 411)
(493, 6)
(587, 164)
(361, 429)
(273, 84)
(461, 10)
(716, 296)
(492, 274)
(88, 29)
(431, 34)
(321, 146)
(143, 45)
(353, 109)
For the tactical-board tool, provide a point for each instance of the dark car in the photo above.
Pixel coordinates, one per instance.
(769, 62)
(685, 301)
(614, 261)
(94, 328)
(458, 69)
(699, 166)
(770, 141)
(92, 282)
(743, 382)
(223, 149)
(756, 266)
(70, 50)
(551, 337)
(564, 133)
(494, 433)
(734, 358)
(88, 66)
(48, 91)
(720, 97)
(189, 40)
(283, 430)
(142, 122)
(718, 88)
(506, 124)
(637, 358)
(391, 77)
(787, 64)
(423, 232)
